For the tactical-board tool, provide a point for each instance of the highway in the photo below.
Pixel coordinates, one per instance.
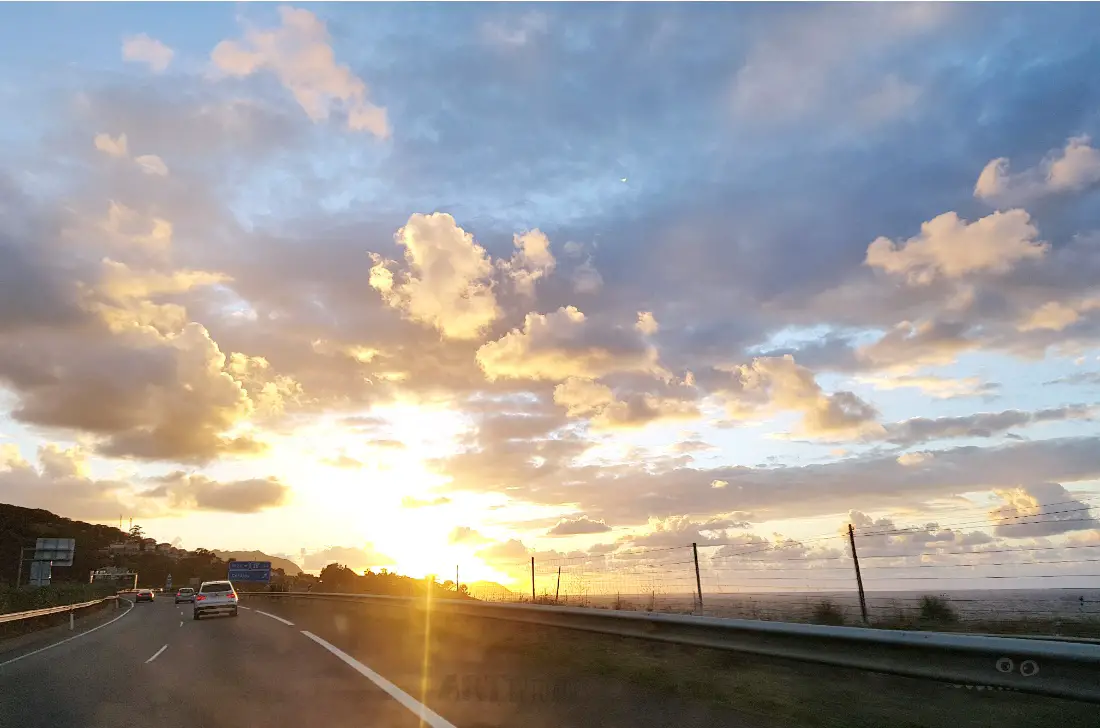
(275, 666)
(335, 664)
(153, 664)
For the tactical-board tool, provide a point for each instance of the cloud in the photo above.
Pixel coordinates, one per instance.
(195, 492)
(62, 482)
(814, 64)
(411, 502)
(950, 247)
(467, 535)
(1070, 169)
(343, 461)
(152, 164)
(935, 386)
(299, 54)
(448, 284)
(143, 49)
(915, 458)
(586, 398)
(516, 32)
(1056, 315)
(531, 261)
(511, 550)
(980, 425)
(773, 384)
(1040, 510)
(647, 324)
(578, 526)
(563, 344)
(355, 558)
(116, 147)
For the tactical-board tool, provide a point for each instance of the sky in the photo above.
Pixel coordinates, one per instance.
(417, 286)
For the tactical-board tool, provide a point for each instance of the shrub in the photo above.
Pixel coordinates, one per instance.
(937, 609)
(828, 613)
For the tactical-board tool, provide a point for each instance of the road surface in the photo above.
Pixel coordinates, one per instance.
(152, 664)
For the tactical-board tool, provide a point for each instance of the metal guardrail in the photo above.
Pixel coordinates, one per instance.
(1042, 667)
(35, 613)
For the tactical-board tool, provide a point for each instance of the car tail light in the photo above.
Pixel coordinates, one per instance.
(231, 595)
(199, 598)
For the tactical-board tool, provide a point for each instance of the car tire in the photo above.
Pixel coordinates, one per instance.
(234, 611)
(196, 616)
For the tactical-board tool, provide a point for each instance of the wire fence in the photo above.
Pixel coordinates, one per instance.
(924, 576)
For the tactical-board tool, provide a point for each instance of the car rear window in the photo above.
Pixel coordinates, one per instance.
(188, 590)
(222, 586)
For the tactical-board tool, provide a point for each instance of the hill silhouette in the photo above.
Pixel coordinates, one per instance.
(19, 527)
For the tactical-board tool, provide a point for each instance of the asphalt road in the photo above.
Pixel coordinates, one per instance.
(280, 665)
(151, 664)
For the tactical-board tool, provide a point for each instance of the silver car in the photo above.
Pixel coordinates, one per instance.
(216, 597)
(185, 594)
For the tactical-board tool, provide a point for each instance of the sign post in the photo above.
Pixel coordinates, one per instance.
(254, 571)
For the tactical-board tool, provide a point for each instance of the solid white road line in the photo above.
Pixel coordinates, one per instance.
(427, 716)
(277, 619)
(70, 639)
(156, 654)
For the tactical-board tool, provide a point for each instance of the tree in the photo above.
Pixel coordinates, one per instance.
(136, 533)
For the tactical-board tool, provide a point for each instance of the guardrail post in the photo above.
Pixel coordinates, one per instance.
(532, 579)
(859, 578)
(72, 625)
(698, 583)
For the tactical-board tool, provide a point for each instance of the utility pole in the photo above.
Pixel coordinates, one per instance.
(557, 589)
(859, 578)
(532, 579)
(698, 583)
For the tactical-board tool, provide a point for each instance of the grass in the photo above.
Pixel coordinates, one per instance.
(771, 691)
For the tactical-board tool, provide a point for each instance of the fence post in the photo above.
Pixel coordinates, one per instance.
(557, 589)
(859, 578)
(532, 579)
(698, 583)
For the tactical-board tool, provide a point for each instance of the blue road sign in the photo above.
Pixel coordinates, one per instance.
(250, 571)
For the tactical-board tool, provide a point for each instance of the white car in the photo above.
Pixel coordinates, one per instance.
(216, 597)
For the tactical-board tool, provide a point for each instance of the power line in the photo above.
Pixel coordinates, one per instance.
(988, 551)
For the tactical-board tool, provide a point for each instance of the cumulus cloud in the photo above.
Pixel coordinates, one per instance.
(563, 344)
(1057, 315)
(531, 261)
(950, 247)
(448, 284)
(509, 551)
(1039, 510)
(915, 458)
(150, 51)
(578, 526)
(586, 398)
(1070, 169)
(195, 492)
(114, 147)
(647, 323)
(62, 482)
(771, 384)
(467, 535)
(299, 54)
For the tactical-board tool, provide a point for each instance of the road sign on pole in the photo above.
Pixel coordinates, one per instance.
(259, 571)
